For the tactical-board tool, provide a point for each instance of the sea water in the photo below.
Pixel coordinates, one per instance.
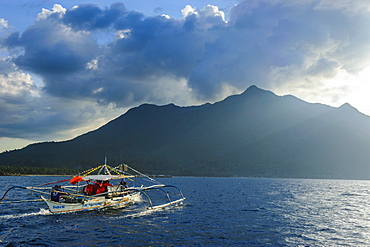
(217, 212)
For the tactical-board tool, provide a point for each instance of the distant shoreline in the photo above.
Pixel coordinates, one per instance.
(71, 175)
(35, 175)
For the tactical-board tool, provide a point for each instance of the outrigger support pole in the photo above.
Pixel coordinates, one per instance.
(20, 187)
(36, 200)
(25, 188)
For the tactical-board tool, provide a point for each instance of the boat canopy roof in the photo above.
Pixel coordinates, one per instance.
(104, 177)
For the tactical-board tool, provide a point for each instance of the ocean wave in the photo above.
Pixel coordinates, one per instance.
(13, 216)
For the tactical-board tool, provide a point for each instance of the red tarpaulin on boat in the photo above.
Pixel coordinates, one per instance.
(75, 180)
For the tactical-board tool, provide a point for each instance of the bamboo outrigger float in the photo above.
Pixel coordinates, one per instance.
(102, 187)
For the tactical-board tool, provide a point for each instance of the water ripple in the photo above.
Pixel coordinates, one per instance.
(217, 212)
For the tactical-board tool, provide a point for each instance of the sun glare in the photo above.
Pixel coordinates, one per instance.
(359, 96)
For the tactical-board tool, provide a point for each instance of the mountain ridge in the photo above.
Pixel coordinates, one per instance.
(255, 133)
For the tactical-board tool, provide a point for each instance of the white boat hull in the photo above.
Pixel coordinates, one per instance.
(91, 204)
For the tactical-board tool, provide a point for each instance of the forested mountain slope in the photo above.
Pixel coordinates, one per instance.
(256, 133)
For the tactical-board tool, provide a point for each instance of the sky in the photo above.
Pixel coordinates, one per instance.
(69, 67)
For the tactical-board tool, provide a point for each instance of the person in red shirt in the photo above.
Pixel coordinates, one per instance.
(89, 189)
(103, 187)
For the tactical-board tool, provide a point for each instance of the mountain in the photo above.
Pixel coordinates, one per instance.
(256, 133)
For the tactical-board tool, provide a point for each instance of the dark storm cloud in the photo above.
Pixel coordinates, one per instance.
(60, 47)
(91, 17)
(52, 48)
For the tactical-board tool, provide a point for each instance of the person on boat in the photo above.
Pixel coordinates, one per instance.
(97, 185)
(55, 194)
(89, 190)
(103, 187)
(123, 184)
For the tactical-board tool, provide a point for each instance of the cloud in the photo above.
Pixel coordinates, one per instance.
(56, 11)
(53, 48)
(117, 58)
(60, 47)
(28, 112)
(300, 43)
(91, 17)
(3, 23)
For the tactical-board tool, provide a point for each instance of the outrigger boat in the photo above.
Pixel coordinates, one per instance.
(103, 187)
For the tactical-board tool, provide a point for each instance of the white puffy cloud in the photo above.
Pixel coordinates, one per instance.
(188, 10)
(57, 10)
(3, 23)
